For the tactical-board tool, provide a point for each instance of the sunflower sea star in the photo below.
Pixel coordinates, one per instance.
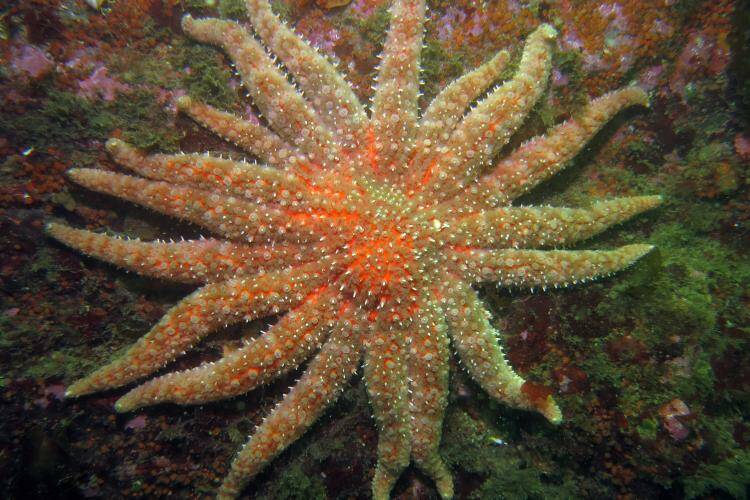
(366, 229)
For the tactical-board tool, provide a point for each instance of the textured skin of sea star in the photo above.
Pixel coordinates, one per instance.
(365, 228)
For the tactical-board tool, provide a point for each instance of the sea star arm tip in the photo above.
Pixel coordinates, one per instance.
(533, 227)
(77, 389)
(322, 382)
(489, 125)
(386, 375)
(476, 343)
(428, 366)
(282, 348)
(284, 107)
(541, 157)
(547, 268)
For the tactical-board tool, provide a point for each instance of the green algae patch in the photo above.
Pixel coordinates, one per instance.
(232, 9)
(648, 429)
(373, 28)
(439, 68)
(729, 476)
(142, 121)
(570, 64)
(711, 171)
(282, 9)
(68, 364)
(667, 303)
(477, 449)
(68, 122)
(236, 436)
(295, 484)
(62, 120)
(207, 78)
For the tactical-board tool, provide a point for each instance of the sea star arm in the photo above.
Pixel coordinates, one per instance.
(490, 124)
(322, 382)
(530, 227)
(394, 106)
(476, 343)
(545, 155)
(198, 261)
(531, 268)
(326, 90)
(282, 348)
(285, 109)
(447, 110)
(227, 215)
(428, 365)
(254, 182)
(194, 261)
(386, 373)
(250, 136)
(201, 312)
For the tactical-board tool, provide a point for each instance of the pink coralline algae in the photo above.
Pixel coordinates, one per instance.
(454, 18)
(447, 23)
(742, 146)
(650, 78)
(51, 392)
(30, 62)
(703, 55)
(13, 311)
(324, 40)
(136, 423)
(100, 85)
(364, 8)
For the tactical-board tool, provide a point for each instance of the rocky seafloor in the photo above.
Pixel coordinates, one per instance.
(651, 367)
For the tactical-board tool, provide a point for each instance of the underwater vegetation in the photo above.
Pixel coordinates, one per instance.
(649, 368)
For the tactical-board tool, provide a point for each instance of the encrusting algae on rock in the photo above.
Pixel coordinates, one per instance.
(366, 230)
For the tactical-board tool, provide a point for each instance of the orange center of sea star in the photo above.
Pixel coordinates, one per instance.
(384, 263)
